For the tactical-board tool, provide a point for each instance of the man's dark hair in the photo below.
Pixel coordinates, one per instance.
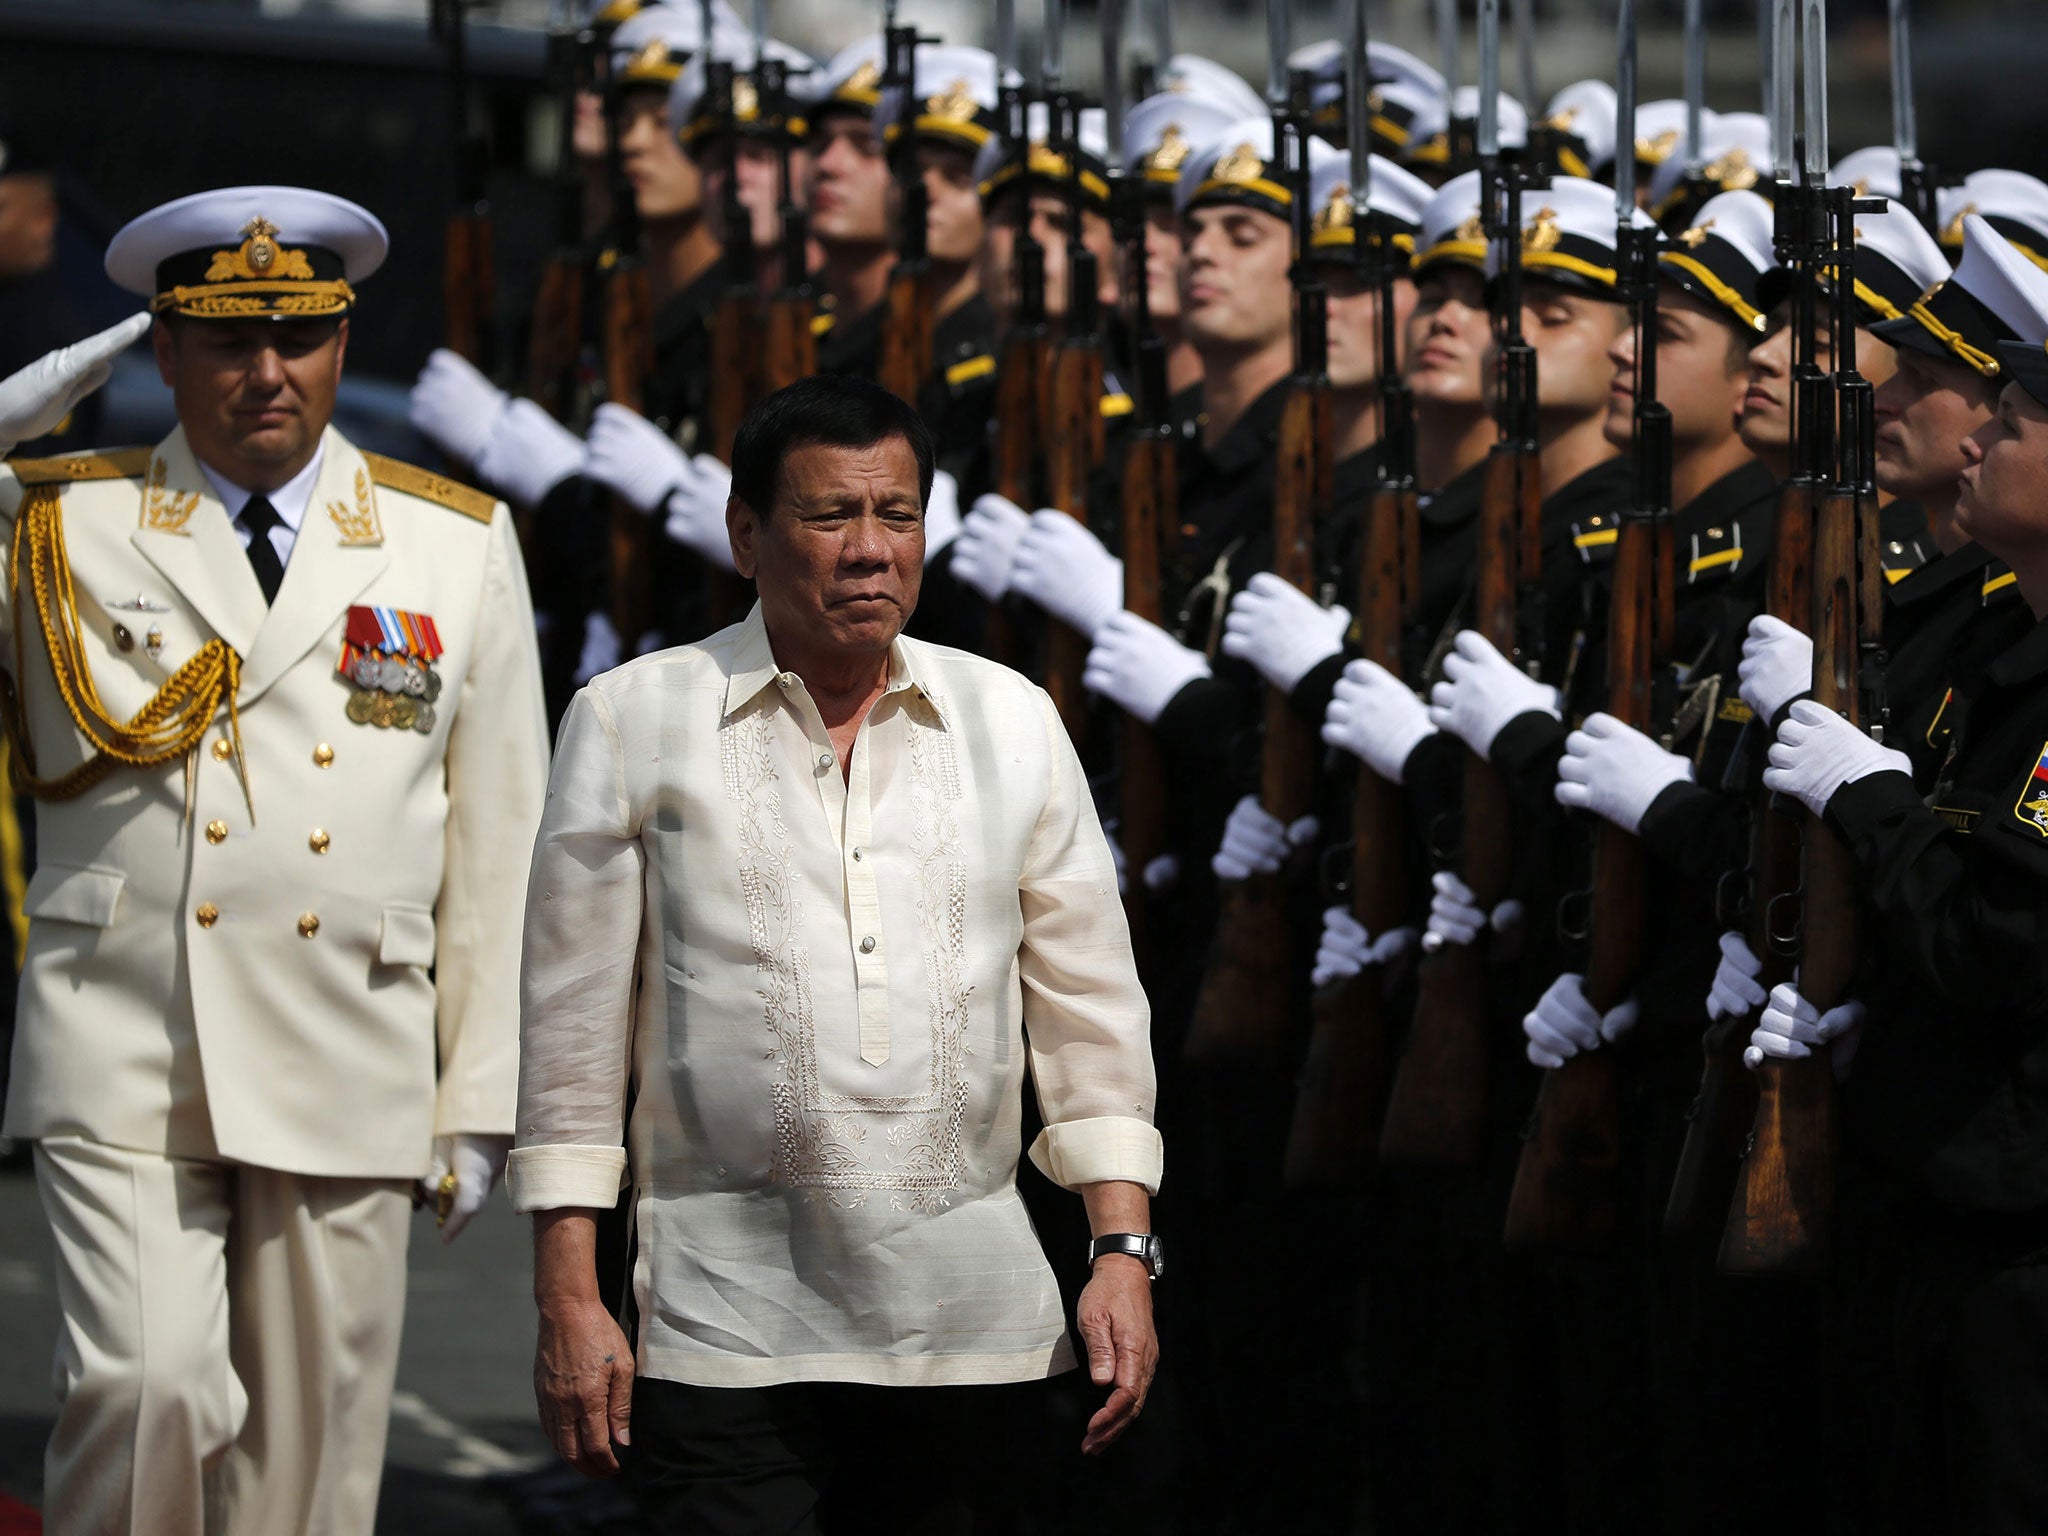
(833, 409)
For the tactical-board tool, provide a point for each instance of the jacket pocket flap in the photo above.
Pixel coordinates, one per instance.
(74, 893)
(408, 936)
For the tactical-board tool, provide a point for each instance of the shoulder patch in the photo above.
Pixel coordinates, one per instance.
(108, 464)
(2000, 580)
(439, 489)
(2031, 810)
(1594, 538)
(1715, 553)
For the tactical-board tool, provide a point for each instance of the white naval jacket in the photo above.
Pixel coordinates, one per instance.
(326, 986)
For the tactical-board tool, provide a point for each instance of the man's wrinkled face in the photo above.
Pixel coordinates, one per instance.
(953, 223)
(849, 182)
(1050, 222)
(1354, 320)
(2003, 503)
(252, 395)
(1702, 372)
(1572, 333)
(666, 183)
(1449, 335)
(1924, 411)
(1234, 292)
(839, 559)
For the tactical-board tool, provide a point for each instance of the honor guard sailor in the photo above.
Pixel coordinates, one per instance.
(280, 705)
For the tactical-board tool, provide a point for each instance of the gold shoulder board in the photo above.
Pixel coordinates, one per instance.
(110, 464)
(439, 489)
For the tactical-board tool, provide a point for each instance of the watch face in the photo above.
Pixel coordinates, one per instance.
(1155, 1255)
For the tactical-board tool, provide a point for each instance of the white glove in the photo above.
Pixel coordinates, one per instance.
(1063, 568)
(1777, 666)
(1138, 666)
(1615, 771)
(1736, 992)
(1281, 630)
(941, 513)
(988, 540)
(1346, 948)
(696, 509)
(1482, 691)
(1563, 1023)
(1455, 916)
(1162, 872)
(601, 648)
(38, 398)
(476, 1162)
(1817, 752)
(634, 459)
(1256, 842)
(454, 407)
(528, 454)
(1791, 1027)
(1377, 718)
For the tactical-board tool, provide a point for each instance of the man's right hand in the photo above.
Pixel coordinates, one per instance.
(36, 400)
(583, 1381)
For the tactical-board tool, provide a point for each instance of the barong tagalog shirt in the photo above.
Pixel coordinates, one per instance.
(819, 995)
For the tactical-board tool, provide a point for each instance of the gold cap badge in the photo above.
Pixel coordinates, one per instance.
(955, 105)
(1542, 233)
(1732, 171)
(1335, 214)
(1242, 164)
(258, 256)
(1172, 152)
(1696, 236)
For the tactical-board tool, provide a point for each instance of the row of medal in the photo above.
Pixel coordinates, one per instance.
(393, 692)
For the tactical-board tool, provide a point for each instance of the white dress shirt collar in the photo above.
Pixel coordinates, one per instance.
(290, 499)
(754, 668)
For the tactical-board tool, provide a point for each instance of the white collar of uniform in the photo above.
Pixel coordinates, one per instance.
(289, 499)
(754, 668)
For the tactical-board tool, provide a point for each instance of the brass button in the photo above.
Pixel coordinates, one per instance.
(208, 914)
(223, 750)
(323, 756)
(1714, 533)
(318, 841)
(216, 831)
(308, 925)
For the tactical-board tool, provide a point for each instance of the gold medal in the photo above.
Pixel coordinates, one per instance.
(404, 710)
(360, 702)
(380, 710)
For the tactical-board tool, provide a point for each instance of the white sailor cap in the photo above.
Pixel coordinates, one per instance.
(2011, 202)
(2020, 297)
(1197, 76)
(1871, 172)
(1660, 130)
(1581, 119)
(1450, 228)
(1964, 318)
(1430, 142)
(1735, 156)
(249, 253)
(956, 96)
(1398, 194)
(1896, 262)
(1000, 163)
(851, 80)
(1402, 85)
(1723, 255)
(1239, 166)
(1161, 131)
(691, 114)
(1568, 235)
(651, 46)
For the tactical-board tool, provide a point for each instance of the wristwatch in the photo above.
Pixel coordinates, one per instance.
(1142, 1246)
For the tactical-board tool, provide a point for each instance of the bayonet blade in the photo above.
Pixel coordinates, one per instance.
(1053, 54)
(1489, 78)
(1447, 49)
(1279, 43)
(1162, 31)
(1695, 82)
(1905, 127)
(1813, 43)
(1784, 87)
(1006, 43)
(1358, 113)
(1112, 20)
(1625, 113)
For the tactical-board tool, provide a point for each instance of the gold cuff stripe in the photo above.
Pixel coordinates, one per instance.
(1978, 359)
(428, 486)
(1744, 311)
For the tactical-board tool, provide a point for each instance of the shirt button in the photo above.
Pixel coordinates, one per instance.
(856, 855)
(323, 756)
(223, 750)
(867, 945)
(216, 831)
(824, 759)
(318, 841)
(309, 924)
(208, 914)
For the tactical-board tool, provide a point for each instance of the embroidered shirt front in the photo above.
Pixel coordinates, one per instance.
(819, 990)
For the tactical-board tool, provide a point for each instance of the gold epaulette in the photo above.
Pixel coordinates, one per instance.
(438, 489)
(108, 464)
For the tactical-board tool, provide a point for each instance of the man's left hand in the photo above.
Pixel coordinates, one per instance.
(475, 1162)
(1115, 1319)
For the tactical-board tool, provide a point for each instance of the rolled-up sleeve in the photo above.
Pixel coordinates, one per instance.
(583, 920)
(1086, 1020)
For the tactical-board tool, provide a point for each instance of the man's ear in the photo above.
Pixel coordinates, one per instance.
(744, 529)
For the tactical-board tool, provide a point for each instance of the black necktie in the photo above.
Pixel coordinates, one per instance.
(259, 517)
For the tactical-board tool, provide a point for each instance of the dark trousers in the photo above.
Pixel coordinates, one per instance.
(829, 1459)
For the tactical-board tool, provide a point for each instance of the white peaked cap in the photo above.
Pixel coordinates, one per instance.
(1660, 129)
(1735, 153)
(1192, 73)
(220, 220)
(1191, 119)
(845, 67)
(687, 94)
(1873, 172)
(1398, 193)
(1585, 111)
(944, 70)
(681, 29)
(1431, 122)
(1569, 233)
(1255, 134)
(2011, 202)
(1723, 255)
(1449, 225)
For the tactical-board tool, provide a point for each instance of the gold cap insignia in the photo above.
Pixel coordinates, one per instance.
(1696, 236)
(259, 256)
(1561, 120)
(651, 59)
(746, 100)
(956, 105)
(1172, 152)
(1732, 172)
(1952, 231)
(1658, 149)
(867, 78)
(1542, 233)
(1928, 297)
(1473, 228)
(1242, 164)
(1335, 214)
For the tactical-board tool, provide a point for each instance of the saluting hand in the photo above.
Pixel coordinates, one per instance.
(38, 398)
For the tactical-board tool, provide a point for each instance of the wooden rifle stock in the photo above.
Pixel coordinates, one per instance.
(557, 338)
(1724, 1109)
(1238, 1010)
(468, 283)
(1073, 449)
(791, 349)
(1021, 387)
(1336, 1123)
(736, 383)
(628, 319)
(906, 359)
(1150, 495)
(1436, 1112)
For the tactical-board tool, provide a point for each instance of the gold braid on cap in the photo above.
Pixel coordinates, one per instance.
(170, 726)
(258, 277)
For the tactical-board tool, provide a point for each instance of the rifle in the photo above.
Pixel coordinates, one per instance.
(735, 378)
(1239, 1009)
(468, 284)
(555, 347)
(791, 349)
(1343, 1081)
(1916, 180)
(1565, 1193)
(1074, 395)
(625, 332)
(907, 319)
(1783, 1216)
(1437, 1111)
